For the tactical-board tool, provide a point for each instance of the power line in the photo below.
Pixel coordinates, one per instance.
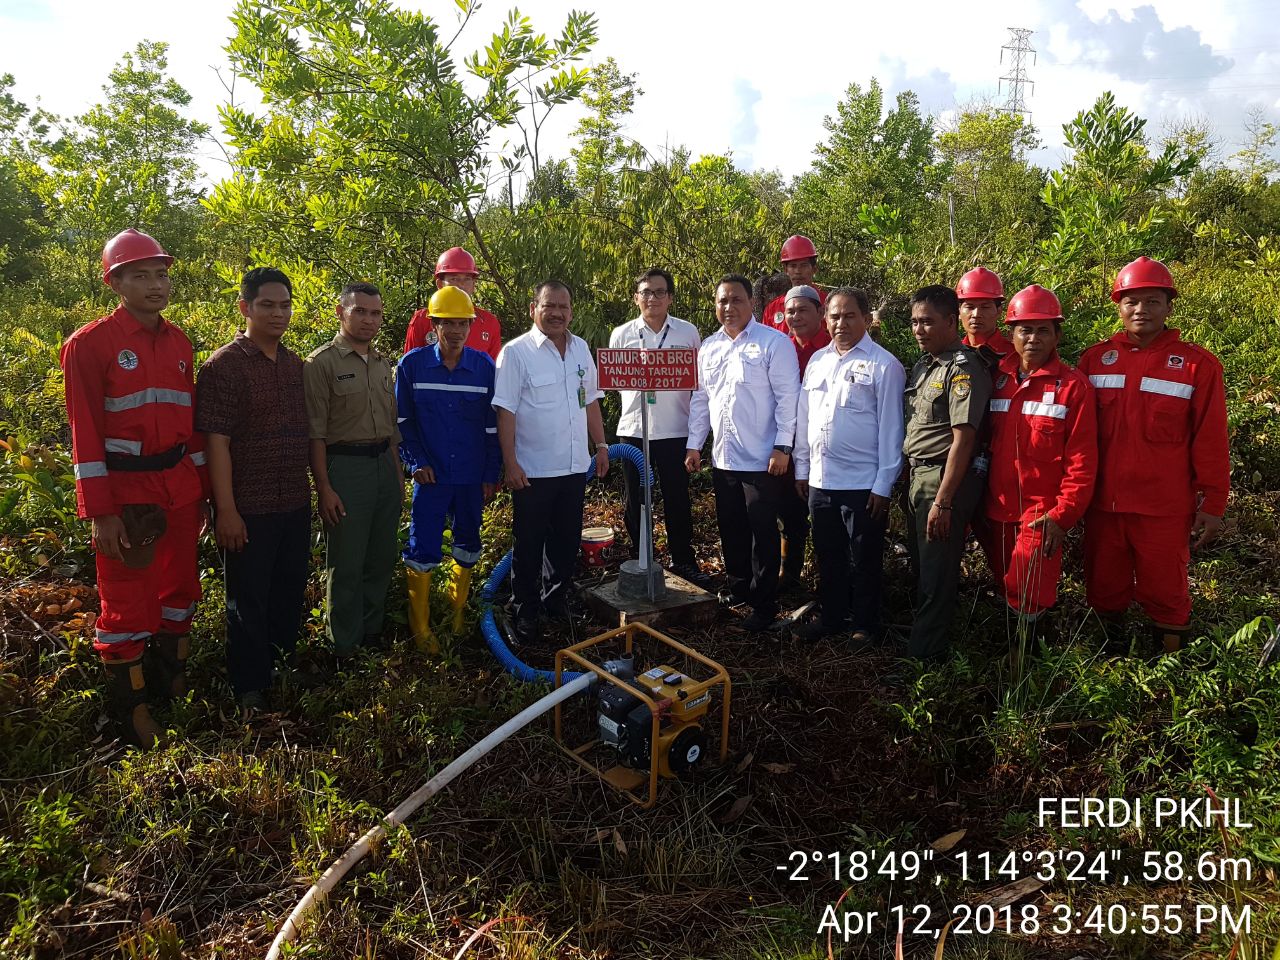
(1019, 46)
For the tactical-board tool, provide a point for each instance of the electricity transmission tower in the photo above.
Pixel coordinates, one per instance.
(1018, 47)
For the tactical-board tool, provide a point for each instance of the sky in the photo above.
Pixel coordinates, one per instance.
(752, 78)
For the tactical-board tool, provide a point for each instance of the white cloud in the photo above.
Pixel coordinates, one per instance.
(753, 78)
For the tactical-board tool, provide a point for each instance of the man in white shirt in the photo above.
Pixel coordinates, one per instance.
(748, 378)
(849, 430)
(547, 403)
(656, 329)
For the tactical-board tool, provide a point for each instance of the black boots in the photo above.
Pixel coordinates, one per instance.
(166, 661)
(127, 692)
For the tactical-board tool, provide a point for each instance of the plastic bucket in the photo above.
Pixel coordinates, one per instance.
(595, 540)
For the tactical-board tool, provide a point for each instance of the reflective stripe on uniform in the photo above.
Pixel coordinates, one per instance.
(1168, 388)
(198, 458)
(93, 468)
(1000, 406)
(115, 445)
(1107, 381)
(1033, 408)
(452, 387)
(177, 614)
(131, 401)
(104, 637)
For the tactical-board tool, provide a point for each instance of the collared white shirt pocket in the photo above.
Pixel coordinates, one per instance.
(544, 389)
(750, 369)
(857, 395)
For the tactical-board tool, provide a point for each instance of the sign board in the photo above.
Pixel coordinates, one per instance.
(675, 369)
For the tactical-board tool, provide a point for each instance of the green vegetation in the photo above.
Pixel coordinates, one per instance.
(379, 143)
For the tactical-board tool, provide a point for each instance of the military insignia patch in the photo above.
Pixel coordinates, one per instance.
(1110, 357)
(1176, 362)
(960, 389)
(127, 359)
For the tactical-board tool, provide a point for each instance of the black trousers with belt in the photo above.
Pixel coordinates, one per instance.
(265, 586)
(848, 545)
(547, 520)
(667, 461)
(747, 514)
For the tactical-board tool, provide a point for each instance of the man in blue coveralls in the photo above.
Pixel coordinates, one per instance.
(449, 442)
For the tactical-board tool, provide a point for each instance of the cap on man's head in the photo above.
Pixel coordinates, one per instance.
(803, 291)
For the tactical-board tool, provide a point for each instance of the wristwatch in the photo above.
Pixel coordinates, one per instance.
(602, 445)
(782, 448)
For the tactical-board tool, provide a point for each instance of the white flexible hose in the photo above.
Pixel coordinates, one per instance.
(333, 876)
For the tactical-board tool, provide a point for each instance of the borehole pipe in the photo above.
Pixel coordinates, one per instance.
(321, 889)
(489, 627)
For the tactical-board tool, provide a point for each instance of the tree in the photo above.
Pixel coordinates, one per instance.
(375, 150)
(127, 162)
(1257, 159)
(610, 96)
(995, 191)
(873, 158)
(1110, 202)
(21, 212)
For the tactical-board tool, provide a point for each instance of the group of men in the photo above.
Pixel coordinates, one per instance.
(811, 420)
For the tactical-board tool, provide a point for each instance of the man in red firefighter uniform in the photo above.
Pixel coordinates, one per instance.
(1164, 469)
(1044, 458)
(457, 268)
(140, 477)
(981, 296)
(800, 263)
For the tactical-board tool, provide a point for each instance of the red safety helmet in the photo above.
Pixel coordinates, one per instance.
(1033, 303)
(980, 284)
(798, 248)
(130, 246)
(1143, 273)
(456, 260)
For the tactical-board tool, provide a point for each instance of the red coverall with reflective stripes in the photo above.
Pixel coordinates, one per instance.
(1162, 443)
(1044, 459)
(130, 391)
(485, 335)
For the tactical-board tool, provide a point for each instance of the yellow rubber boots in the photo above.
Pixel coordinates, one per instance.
(420, 610)
(461, 588)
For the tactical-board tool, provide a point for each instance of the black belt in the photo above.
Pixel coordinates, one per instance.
(358, 449)
(151, 463)
(917, 462)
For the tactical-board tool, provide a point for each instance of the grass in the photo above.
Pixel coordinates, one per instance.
(200, 848)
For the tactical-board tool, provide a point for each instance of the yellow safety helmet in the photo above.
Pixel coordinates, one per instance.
(452, 304)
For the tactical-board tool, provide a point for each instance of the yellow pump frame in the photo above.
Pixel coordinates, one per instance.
(625, 778)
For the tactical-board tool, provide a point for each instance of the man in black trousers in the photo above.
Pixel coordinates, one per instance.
(251, 406)
(656, 329)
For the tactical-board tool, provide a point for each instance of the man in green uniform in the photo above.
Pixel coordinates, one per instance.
(945, 399)
(351, 407)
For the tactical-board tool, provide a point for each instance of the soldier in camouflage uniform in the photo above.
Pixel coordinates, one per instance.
(945, 401)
